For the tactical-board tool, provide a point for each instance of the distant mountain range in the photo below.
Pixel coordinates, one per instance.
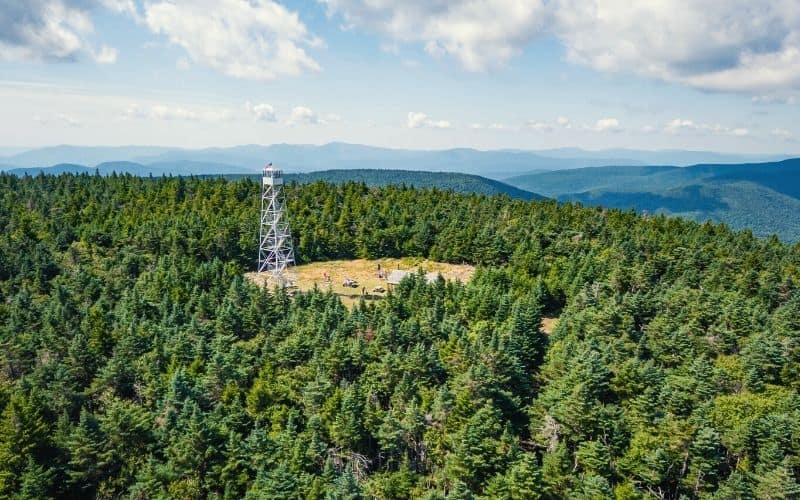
(156, 169)
(764, 197)
(334, 156)
(734, 189)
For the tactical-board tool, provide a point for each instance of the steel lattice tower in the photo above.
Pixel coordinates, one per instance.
(275, 249)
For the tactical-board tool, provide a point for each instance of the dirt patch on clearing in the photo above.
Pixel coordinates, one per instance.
(548, 325)
(365, 273)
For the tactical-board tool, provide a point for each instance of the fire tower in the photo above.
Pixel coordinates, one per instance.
(275, 250)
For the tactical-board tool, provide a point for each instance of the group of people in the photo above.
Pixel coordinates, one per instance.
(348, 282)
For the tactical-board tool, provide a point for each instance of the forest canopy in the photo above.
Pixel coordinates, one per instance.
(136, 362)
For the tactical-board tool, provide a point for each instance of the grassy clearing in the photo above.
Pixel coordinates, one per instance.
(365, 272)
(549, 324)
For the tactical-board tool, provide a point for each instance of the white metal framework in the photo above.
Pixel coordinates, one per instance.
(275, 249)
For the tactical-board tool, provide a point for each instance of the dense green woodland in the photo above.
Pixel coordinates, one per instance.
(136, 362)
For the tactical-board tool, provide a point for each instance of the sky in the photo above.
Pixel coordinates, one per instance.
(720, 75)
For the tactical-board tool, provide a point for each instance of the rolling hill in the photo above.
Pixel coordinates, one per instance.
(764, 197)
(450, 181)
(58, 169)
(460, 183)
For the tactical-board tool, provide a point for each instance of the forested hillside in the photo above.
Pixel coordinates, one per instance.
(763, 197)
(136, 362)
(452, 181)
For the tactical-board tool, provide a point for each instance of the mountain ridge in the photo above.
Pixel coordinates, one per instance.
(495, 164)
(454, 181)
(763, 197)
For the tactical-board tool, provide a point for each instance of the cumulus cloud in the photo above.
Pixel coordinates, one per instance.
(262, 112)
(255, 39)
(734, 45)
(421, 120)
(479, 33)
(44, 29)
(302, 115)
(726, 45)
(607, 125)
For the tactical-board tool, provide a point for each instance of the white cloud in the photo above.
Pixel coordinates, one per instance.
(782, 133)
(421, 120)
(479, 33)
(122, 6)
(416, 120)
(679, 125)
(55, 30)
(262, 112)
(302, 115)
(58, 118)
(739, 132)
(540, 126)
(731, 45)
(250, 39)
(791, 100)
(106, 55)
(183, 64)
(44, 30)
(169, 112)
(607, 125)
(725, 45)
(562, 122)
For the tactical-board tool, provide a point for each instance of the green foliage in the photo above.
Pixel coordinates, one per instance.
(451, 181)
(135, 361)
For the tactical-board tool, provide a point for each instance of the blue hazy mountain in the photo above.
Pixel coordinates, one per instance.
(675, 157)
(764, 197)
(306, 158)
(337, 156)
(81, 155)
(155, 169)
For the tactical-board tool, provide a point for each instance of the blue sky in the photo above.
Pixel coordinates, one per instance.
(529, 74)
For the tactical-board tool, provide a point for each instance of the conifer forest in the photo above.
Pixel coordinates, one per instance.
(136, 361)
